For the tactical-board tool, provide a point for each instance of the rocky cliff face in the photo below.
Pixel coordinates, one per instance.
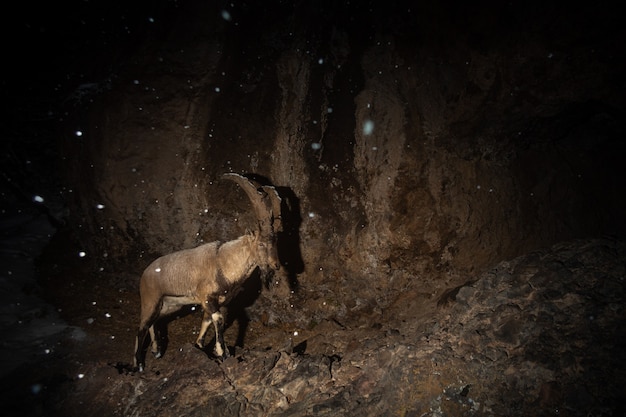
(413, 144)
(415, 147)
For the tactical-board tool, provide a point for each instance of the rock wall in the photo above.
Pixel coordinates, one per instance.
(416, 146)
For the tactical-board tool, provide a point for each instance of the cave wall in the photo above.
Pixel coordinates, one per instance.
(417, 146)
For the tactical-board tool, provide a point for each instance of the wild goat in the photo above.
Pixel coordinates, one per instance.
(210, 274)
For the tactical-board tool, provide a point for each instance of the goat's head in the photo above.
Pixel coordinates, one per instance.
(266, 253)
(266, 204)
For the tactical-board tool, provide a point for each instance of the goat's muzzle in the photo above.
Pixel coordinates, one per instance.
(272, 265)
(273, 261)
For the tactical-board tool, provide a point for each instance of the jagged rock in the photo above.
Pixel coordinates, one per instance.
(539, 334)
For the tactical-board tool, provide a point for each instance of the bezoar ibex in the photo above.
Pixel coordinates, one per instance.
(209, 275)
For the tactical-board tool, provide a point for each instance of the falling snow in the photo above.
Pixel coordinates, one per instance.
(368, 127)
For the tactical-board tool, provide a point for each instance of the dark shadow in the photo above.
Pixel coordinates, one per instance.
(161, 326)
(449, 295)
(289, 238)
(247, 295)
(236, 312)
(300, 348)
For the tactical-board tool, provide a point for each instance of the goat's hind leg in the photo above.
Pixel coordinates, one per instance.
(139, 361)
(140, 348)
(146, 325)
(155, 338)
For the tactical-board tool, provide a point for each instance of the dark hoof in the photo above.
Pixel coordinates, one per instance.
(221, 357)
(225, 355)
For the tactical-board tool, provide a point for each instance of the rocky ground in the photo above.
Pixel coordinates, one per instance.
(541, 334)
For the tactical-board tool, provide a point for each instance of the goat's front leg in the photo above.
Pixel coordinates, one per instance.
(212, 315)
(206, 322)
(220, 347)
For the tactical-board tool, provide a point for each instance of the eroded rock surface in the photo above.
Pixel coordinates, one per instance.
(537, 335)
(411, 141)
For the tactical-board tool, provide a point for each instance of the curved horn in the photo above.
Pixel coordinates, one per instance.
(264, 199)
(276, 208)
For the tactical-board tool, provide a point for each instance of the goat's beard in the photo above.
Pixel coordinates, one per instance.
(267, 274)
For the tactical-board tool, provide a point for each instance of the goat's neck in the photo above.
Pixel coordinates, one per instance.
(236, 259)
